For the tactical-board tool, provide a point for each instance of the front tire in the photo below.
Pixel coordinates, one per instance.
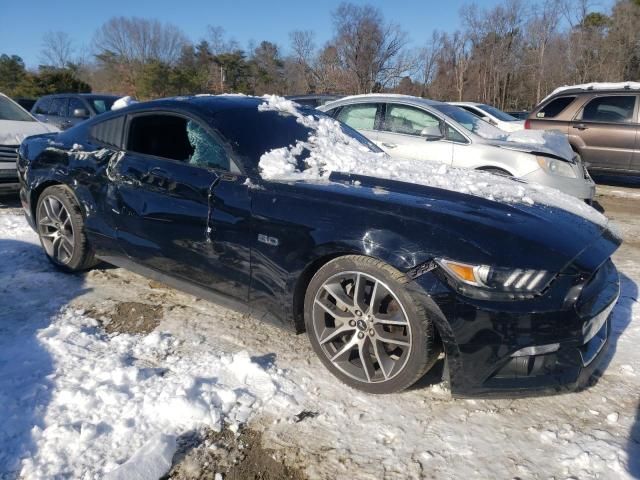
(60, 226)
(366, 326)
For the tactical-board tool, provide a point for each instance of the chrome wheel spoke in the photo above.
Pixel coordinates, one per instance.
(334, 334)
(390, 319)
(365, 359)
(359, 293)
(379, 359)
(337, 292)
(333, 310)
(389, 338)
(353, 341)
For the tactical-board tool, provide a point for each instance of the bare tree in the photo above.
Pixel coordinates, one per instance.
(367, 46)
(139, 40)
(57, 49)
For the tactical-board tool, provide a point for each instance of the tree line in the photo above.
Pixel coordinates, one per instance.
(510, 55)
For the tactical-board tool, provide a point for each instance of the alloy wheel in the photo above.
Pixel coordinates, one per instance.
(56, 230)
(362, 327)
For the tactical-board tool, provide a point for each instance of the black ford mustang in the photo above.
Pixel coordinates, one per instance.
(514, 298)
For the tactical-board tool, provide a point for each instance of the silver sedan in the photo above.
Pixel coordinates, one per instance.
(413, 127)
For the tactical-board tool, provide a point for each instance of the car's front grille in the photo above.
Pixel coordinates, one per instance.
(8, 153)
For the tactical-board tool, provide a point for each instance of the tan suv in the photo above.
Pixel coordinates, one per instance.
(601, 124)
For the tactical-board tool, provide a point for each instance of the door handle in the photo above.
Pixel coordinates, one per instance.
(389, 145)
(580, 126)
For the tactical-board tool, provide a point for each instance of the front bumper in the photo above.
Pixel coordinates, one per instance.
(583, 188)
(481, 337)
(8, 178)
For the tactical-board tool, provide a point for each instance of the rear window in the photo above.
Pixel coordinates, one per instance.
(555, 107)
(101, 105)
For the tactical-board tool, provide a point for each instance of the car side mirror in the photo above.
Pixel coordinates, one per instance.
(432, 133)
(80, 113)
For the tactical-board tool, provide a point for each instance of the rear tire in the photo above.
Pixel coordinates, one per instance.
(366, 326)
(60, 226)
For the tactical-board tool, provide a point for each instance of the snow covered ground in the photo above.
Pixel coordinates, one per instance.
(77, 402)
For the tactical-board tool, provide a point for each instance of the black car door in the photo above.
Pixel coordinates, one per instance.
(180, 205)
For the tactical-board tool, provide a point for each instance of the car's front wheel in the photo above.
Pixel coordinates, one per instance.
(60, 226)
(366, 326)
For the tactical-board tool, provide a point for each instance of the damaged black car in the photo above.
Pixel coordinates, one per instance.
(513, 298)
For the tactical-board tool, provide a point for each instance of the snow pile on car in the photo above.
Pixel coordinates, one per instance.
(550, 140)
(595, 86)
(123, 102)
(331, 150)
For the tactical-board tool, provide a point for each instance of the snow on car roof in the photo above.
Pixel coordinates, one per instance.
(332, 150)
(595, 86)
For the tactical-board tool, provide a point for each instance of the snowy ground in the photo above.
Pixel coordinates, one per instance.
(78, 402)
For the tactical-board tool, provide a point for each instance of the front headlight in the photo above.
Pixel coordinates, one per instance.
(556, 167)
(487, 281)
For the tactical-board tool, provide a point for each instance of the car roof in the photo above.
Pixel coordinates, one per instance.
(84, 95)
(472, 104)
(382, 97)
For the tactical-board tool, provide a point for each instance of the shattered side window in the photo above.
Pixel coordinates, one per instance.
(206, 151)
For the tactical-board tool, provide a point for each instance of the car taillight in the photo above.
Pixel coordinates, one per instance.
(527, 124)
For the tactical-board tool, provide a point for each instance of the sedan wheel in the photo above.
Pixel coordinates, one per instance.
(366, 327)
(60, 226)
(56, 229)
(362, 327)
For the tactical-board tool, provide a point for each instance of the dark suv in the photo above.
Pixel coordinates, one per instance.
(67, 110)
(601, 124)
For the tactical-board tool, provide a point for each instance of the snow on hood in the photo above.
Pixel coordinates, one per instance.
(13, 132)
(331, 150)
(123, 102)
(595, 86)
(533, 141)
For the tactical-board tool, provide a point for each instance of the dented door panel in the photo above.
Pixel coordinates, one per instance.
(182, 220)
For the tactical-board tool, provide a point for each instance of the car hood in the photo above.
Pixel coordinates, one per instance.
(513, 126)
(482, 230)
(543, 150)
(14, 132)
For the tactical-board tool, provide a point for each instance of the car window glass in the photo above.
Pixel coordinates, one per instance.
(43, 106)
(11, 111)
(472, 111)
(408, 120)
(206, 151)
(101, 105)
(58, 107)
(555, 107)
(75, 104)
(360, 117)
(454, 135)
(176, 138)
(616, 109)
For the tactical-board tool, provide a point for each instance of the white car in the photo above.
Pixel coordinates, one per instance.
(420, 129)
(494, 116)
(15, 125)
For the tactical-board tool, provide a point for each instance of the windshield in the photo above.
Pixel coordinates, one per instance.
(469, 121)
(10, 110)
(499, 114)
(102, 104)
(251, 133)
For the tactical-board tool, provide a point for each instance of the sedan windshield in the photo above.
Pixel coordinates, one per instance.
(499, 114)
(12, 111)
(469, 121)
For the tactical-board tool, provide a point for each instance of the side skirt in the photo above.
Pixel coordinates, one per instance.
(195, 290)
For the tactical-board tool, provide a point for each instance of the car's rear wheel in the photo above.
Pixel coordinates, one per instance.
(366, 327)
(60, 226)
